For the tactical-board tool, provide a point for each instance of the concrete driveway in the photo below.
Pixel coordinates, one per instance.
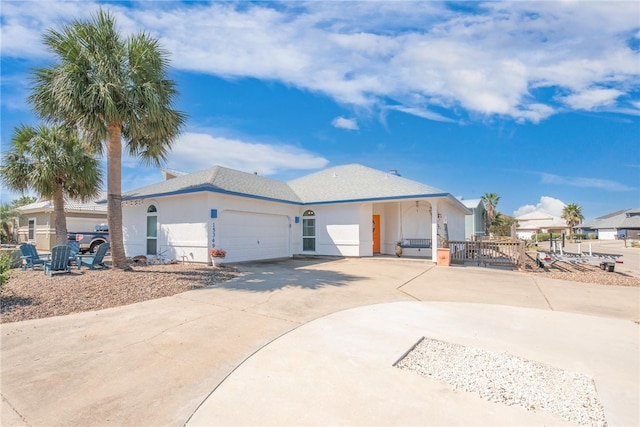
(195, 357)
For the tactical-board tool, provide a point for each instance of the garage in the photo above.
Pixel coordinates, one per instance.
(252, 236)
(607, 233)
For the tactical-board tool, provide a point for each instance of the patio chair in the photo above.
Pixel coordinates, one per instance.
(30, 256)
(59, 260)
(74, 247)
(95, 260)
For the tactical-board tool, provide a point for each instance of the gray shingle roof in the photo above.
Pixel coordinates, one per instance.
(222, 180)
(69, 205)
(338, 184)
(356, 182)
(620, 219)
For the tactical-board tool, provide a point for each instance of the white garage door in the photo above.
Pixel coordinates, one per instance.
(250, 236)
(607, 234)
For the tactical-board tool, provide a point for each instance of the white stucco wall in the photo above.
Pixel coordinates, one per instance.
(337, 229)
(185, 226)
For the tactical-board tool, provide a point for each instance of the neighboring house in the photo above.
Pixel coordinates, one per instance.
(620, 224)
(540, 222)
(349, 210)
(474, 223)
(37, 223)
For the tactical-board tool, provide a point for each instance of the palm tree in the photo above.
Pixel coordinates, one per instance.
(572, 213)
(51, 162)
(490, 201)
(113, 89)
(8, 215)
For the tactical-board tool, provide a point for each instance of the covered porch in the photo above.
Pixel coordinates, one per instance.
(418, 225)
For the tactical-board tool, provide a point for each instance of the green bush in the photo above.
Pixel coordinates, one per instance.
(544, 237)
(5, 265)
(577, 236)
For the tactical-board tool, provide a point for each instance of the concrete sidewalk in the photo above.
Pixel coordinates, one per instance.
(155, 363)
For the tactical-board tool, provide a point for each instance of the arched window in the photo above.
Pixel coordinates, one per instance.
(152, 230)
(309, 231)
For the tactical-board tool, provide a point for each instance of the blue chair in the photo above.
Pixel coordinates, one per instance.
(74, 247)
(95, 260)
(59, 260)
(30, 256)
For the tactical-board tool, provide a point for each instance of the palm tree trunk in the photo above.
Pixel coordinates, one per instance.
(60, 220)
(114, 194)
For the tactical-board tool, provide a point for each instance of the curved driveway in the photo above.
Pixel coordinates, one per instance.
(164, 362)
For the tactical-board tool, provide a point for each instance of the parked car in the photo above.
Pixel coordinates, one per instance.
(90, 240)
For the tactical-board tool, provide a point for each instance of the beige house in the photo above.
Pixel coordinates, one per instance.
(540, 222)
(37, 224)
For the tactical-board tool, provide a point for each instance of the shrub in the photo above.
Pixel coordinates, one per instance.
(5, 265)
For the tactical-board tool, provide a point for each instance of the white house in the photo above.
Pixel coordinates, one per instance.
(540, 222)
(349, 210)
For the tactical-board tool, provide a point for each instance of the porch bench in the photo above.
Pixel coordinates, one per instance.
(416, 244)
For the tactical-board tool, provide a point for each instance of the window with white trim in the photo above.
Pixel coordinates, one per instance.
(308, 231)
(152, 230)
(31, 233)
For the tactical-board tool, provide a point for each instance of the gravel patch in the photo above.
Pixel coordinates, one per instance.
(33, 295)
(508, 379)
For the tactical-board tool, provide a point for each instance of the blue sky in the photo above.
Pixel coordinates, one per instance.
(538, 102)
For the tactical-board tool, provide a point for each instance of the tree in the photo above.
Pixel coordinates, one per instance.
(490, 201)
(8, 214)
(113, 89)
(23, 200)
(572, 213)
(502, 224)
(52, 162)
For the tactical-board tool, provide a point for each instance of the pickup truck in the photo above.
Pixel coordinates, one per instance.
(90, 240)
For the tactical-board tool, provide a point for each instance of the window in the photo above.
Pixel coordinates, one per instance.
(308, 231)
(32, 229)
(152, 231)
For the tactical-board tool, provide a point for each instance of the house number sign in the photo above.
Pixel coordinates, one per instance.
(213, 234)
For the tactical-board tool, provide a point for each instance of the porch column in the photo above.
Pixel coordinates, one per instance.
(434, 230)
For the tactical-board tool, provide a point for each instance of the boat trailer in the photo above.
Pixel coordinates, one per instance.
(606, 262)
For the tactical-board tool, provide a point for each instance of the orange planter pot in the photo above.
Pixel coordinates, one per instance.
(444, 257)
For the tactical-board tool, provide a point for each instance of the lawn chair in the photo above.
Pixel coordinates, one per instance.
(30, 256)
(95, 260)
(74, 247)
(59, 260)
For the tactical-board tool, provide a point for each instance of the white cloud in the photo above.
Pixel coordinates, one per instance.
(488, 61)
(546, 204)
(196, 151)
(574, 181)
(425, 114)
(344, 123)
(593, 98)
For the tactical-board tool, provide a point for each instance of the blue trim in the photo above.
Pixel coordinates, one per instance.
(207, 189)
(379, 199)
(271, 199)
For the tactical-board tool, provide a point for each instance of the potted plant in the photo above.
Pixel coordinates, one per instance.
(444, 252)
(399, 248)
(217, 255)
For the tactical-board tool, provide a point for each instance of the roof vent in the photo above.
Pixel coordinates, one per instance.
(394, 172)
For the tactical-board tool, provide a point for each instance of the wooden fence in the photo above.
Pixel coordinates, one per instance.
(507, 253)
